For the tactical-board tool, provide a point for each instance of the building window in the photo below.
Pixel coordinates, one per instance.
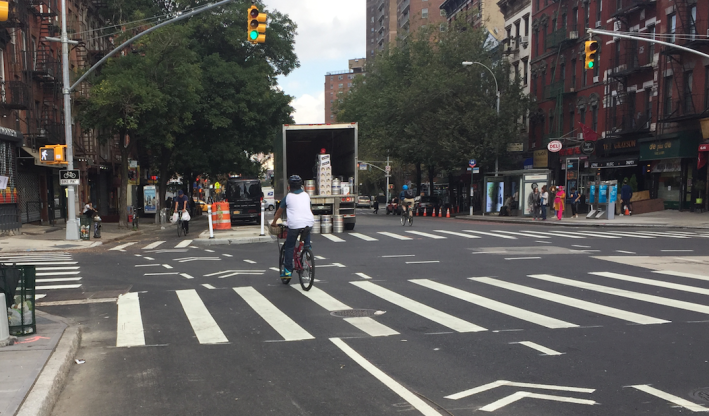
(584, 74)
(619, 4)
(693, 21)
(617, 54)
(424, 13)
(563, 21)
(551, 123)
(562, 72)
(537, 8)
(594, 118)
(582, 116)
(688, 103)
(536, 45)
(332, 86)
(525, 74)
(349, 85)
(648, 106)
(587, 14)
(574, 18)
(526, 25)
(599, 9)
(516, 69)
(672, 27)
(651, 46)
(340, 86)
(667, 95)
(443, 12)
(595, 63)
(571, 121)
(573, 73)
(340, 77)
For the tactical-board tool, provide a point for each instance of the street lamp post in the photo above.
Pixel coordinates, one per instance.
(497, 89)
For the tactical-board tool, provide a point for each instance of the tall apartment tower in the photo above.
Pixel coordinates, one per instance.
(478, 12)
(389, 19)
(340, 82)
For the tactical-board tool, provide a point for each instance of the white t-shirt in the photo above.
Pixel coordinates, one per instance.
(298, 211)
(545, 198)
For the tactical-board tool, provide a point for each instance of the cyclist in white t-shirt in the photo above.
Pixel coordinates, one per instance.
(298, 214)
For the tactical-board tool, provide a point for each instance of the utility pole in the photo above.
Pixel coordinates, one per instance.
(72, 225)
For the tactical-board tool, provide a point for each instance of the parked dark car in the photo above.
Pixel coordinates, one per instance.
(244, 197)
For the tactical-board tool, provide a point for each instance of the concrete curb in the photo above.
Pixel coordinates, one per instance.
(46, 390)
(589, 224)
(230, 241)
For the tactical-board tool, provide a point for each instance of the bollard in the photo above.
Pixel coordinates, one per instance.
(209, 218)
(262, 217)
(4, 323)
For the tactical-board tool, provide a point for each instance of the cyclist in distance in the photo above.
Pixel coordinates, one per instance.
(182, 204)
(407, 196)
(298, 215)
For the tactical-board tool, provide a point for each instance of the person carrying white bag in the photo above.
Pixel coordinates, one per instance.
(182, 205)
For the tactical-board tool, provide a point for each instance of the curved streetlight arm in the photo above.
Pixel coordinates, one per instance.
(497, 88)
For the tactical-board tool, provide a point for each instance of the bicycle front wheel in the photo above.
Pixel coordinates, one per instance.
(307, 276)
(281, 267)
(179, 228)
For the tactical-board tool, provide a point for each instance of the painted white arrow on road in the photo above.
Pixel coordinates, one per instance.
(331, 265)
(228, 273)
(186, 259)
(523, 394)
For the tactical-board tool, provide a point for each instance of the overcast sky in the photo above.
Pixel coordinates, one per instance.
(329, 33)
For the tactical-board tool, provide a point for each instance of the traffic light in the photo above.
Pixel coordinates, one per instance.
(591, 50)
(4, 10)
(257, 25)
(53, 154)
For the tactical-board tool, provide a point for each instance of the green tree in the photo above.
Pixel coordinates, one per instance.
(418, 102)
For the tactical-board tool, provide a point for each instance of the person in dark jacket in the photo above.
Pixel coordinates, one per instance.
(626, 193)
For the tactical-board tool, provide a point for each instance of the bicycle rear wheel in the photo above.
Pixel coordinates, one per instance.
(307, 275)
(411, 218)
(403, 218)
(281, 257)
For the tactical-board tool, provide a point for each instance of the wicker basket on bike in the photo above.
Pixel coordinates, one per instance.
(280, 230)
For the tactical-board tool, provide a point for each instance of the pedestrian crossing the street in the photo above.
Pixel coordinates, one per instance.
(54, 271)
(465, 305)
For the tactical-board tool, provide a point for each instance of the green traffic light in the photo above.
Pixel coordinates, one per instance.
(253, 34)
(590, 64)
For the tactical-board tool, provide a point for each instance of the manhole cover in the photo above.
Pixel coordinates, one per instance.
(701, 394)
(354, 313)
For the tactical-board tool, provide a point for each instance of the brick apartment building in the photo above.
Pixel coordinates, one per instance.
(340, 82)
(478, 12)
(644, 101)
(32, 113)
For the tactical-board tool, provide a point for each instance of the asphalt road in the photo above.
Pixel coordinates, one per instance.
(454, 320)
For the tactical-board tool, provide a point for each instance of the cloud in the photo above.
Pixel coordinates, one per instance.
(327, 29)
(309, 109)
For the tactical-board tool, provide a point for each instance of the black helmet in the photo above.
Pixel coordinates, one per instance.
(295, 182)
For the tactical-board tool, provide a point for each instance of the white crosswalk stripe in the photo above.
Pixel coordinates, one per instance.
(333, 238)
(282, 323)
(674, 303)
(572, 302)
(422, 234)
(630, 234)
(599, 235)
(509, 237)
(363, 237)
(153, 245)
(494, 305)
(418, 308)
(652, 282)
(130, 331)
(683, 274)
(184, 244)
(397, 236)
(456, 233)
(522, 234)
(563, 234)
(204, 326)
(664, 234)
(53, 271)
(121, 247)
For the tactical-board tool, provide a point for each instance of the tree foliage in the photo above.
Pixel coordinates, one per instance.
(419, 104)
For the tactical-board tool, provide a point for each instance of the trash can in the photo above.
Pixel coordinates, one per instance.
(97, 227)
(85, 228)
(18, 284)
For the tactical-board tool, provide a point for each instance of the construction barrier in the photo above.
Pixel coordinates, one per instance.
(220, 216)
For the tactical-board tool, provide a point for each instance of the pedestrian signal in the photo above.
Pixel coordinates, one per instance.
(257, 25)
(53, 154)
(591, 50)
(46, 154)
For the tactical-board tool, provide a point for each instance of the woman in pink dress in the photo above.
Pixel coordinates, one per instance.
(559, 202)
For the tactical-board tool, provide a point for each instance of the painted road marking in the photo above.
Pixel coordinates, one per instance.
(275, 269)
(320, 258)
(364, 324)
(573, 302)
(500, 383)
(625, 252)
(208, 250)
(57, 268)
(561, 234)
(120, 247)
(670, 398)
(630, 234)
(676, 250)
(161, 274)
(576, 245)
(227, 255)
(398, 255)
(423, 262)
(250, 261)
(186, 276)
(544, 350)
(149, 258)
(442, 318)
(522, 234)
(38, 296)
(75, 301)
(183, 244)
(46, 263)
(56, 287)
(397, 236)
(333, 238)
(58, 279)
(657, 234)
(152, 245)
(204, 326)
(363, 237)
(545, 242)
(208, 286)
(592, 234)
(509, 237)
(363, 276)
(522, 258)
(651, 282)
(56, 273)
(147, 265)
(284, 325)
(187, 259)
(422, 234)
(130, 322)
(332, 265)
(525, 394)
(167, 266)
(683, 274)
(494, 305)
(673, 303)
(397, 388)
(455, 233)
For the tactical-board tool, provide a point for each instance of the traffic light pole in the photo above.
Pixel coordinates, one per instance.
(72, 225)
(624, 36)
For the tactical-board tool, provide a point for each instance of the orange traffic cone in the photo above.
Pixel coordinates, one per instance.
(424, 212)
(448, 213)
(627, 211)
(416, 213)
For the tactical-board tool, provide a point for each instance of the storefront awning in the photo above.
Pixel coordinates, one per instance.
(10, 135)
(676, 145)
(616, 162)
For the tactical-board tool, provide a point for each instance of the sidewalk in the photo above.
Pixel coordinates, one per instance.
(660, 219)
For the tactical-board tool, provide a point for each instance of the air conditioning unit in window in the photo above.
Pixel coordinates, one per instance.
(573, 34)
(595, 79)
(579, 136)
(598, 23)
(525, 40)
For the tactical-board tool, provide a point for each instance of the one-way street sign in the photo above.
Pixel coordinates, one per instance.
(69, 177)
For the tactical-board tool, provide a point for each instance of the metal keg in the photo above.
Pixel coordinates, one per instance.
(316, 225)
(338, 224)
(310, 187)
(336, 187)
(325, 224)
